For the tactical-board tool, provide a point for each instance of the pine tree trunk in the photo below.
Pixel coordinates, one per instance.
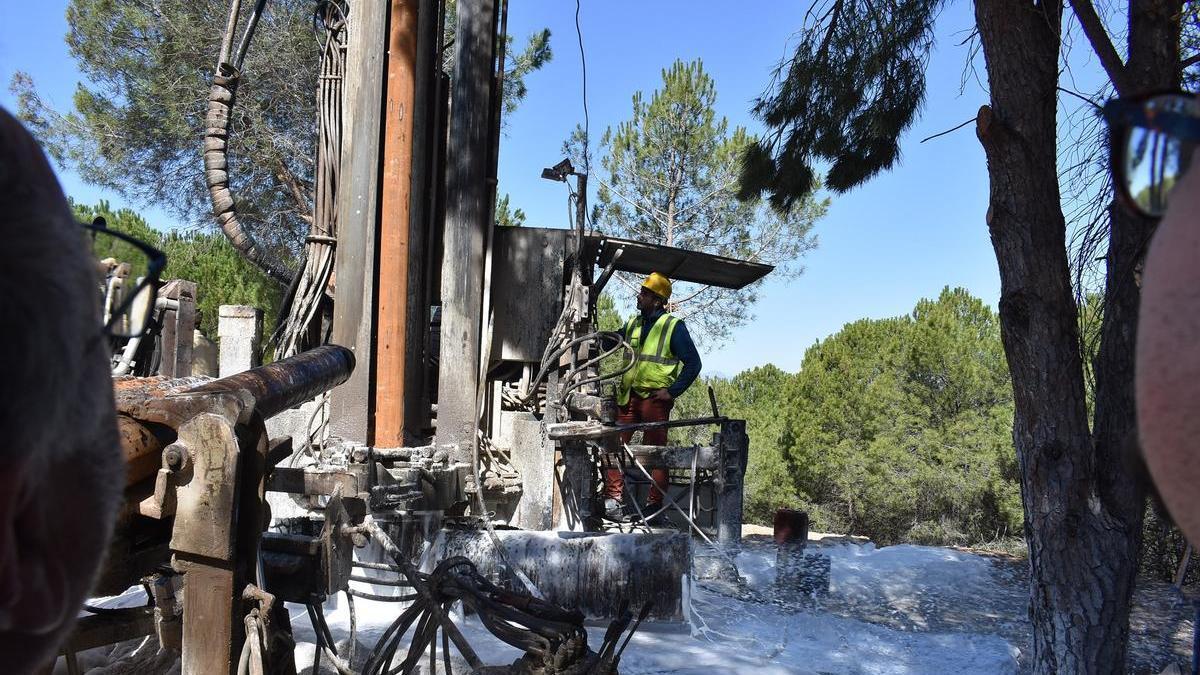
(1153, 65)
(1081, 557)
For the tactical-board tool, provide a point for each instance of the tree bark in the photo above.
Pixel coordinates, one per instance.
(1153, 65)
(1077, 523)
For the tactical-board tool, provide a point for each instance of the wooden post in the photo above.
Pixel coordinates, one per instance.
(466, 212)
(393, 312)
(178, 328)
(351, 404)
(429, 40)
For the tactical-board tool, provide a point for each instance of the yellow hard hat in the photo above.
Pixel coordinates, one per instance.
(658, 284)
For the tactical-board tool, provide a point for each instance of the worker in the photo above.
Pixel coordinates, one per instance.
(667, 364)
(61, 467)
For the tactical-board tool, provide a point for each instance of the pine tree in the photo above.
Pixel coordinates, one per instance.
(855, 82)
(670, 177)
(138, 119)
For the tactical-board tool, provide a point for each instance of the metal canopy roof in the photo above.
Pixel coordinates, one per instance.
(677, 263)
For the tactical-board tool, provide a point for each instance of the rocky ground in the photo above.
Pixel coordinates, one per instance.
(1160, 623)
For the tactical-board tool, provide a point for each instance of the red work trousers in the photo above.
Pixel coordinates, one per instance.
(640, 409)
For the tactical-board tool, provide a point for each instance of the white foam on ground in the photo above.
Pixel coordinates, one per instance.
(732, 635)
(726, 634)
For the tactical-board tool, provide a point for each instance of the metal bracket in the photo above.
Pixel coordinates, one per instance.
(204, 510)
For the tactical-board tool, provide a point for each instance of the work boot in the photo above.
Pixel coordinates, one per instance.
(614, 510)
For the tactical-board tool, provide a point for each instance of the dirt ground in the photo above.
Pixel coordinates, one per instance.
(1160, 623)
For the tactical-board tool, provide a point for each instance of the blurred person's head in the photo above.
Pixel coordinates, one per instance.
(61, 469)
(1152, 140)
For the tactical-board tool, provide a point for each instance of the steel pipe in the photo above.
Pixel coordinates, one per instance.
(290, 382)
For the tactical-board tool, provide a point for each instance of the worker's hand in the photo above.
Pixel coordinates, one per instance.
(662, 395)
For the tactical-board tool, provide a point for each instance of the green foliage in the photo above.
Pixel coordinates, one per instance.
(125, 222)
(517, 66)
(607, 316)
(881, 48)
(898, 429)
(670, 177)
(222, 276)
(138, 120)
(506, 215)
(904, 427)
(1091, 321)
(536, 54)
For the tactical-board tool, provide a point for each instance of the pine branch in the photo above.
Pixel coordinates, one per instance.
(1093, 28)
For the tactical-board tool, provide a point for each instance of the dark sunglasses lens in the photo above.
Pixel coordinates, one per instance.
(1155, 160)
(127, 298)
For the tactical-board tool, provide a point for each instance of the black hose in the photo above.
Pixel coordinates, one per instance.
(553, 356)
(382, 598)
(380, 582)
(419, 638)
(312, 618)
(325, 629)
(401, 624)
(376, 566)
(626, 368)
(353, 629)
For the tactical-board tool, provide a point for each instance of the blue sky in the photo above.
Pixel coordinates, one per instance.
(901, 237)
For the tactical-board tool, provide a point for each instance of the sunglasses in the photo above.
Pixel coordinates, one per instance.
(127, 312)
(1152, 139)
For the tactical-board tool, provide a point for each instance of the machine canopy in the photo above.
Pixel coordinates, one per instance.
(677, 263)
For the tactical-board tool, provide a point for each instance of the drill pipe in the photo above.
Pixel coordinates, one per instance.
(290, 382)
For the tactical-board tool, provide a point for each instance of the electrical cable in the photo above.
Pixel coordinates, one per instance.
(587, 162)
(545, 370)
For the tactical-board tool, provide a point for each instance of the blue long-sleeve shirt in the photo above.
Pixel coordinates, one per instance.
(683, 348)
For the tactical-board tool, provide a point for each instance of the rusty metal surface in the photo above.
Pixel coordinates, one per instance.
(299, 481)
(197, 458)
(142, 448)
(159, 400)
(287, 383)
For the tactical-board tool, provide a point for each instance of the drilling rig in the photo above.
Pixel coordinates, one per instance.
(468, 392)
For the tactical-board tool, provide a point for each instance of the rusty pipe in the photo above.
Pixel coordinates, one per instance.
(142, 444)
(290, 382)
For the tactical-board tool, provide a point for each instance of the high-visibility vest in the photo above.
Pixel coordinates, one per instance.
(656, 366)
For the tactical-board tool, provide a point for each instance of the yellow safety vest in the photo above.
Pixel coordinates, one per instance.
(656, 366)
